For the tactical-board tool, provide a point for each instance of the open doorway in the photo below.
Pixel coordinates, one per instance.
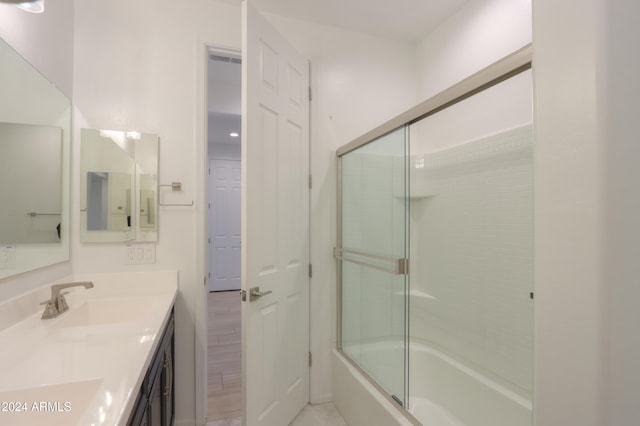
(224, 393)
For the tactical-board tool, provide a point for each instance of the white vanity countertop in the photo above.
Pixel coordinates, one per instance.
(86, 366)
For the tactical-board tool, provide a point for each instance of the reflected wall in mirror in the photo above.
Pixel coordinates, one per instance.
(30, 210)
(118, 186)
(35, 128)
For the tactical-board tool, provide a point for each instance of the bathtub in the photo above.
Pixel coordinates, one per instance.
(442, 392)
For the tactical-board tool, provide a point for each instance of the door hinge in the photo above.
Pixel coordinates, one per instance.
(310, 182)
(310, 94)
(310, 359)
(310, 271)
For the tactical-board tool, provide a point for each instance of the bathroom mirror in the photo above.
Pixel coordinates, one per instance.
(35, 128)
(118, 187)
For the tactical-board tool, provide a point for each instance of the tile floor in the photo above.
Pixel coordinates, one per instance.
(225, 398)
(223, 370)
(311, 415)
(319, 415)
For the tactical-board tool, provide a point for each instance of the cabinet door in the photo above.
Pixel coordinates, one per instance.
(154, 411)
(145, 419)
(139, 416)
(168, 395)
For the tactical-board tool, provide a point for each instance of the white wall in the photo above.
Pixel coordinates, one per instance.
(480, 33)
(138, 66)
(43, 39)
(622, 236)
(586, 209)
(358, 81)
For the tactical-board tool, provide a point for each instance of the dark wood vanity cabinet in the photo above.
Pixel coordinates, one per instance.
(156, 401)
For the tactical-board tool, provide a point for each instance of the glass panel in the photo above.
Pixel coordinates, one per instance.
(374, 236)
(472, 259)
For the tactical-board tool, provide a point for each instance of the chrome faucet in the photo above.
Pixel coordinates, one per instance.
(57, 304)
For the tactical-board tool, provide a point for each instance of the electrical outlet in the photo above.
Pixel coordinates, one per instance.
(130, 255)
(149, 255)
(138, 254)
(7, 257)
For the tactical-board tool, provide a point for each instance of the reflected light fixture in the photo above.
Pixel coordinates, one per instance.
(133, 135)
(33, 6)
(234, 134)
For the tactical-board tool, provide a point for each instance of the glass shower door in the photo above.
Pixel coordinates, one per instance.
(373, 252)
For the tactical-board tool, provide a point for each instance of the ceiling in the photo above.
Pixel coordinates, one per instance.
(404, 20)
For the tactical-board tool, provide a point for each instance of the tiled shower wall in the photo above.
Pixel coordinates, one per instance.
(472, 254)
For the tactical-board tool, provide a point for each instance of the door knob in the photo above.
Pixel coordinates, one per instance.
(255, 294)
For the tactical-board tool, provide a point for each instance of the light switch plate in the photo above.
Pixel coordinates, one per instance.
(138, 254)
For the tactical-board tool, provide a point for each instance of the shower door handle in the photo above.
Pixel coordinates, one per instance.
(394, 265)
(255, 294)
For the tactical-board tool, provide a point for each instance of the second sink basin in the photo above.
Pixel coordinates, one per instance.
(104, 312)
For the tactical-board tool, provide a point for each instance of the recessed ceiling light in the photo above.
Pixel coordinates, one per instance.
(234, 134)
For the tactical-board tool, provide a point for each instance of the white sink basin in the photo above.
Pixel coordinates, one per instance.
(104, 312)
(60, 404)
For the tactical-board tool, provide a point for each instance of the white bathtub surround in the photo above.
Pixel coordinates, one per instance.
(86, 366)
(358, 401)
(444, 391)
(472, 242)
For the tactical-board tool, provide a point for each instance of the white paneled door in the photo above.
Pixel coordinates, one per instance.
(224, 232)
(275, 225)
